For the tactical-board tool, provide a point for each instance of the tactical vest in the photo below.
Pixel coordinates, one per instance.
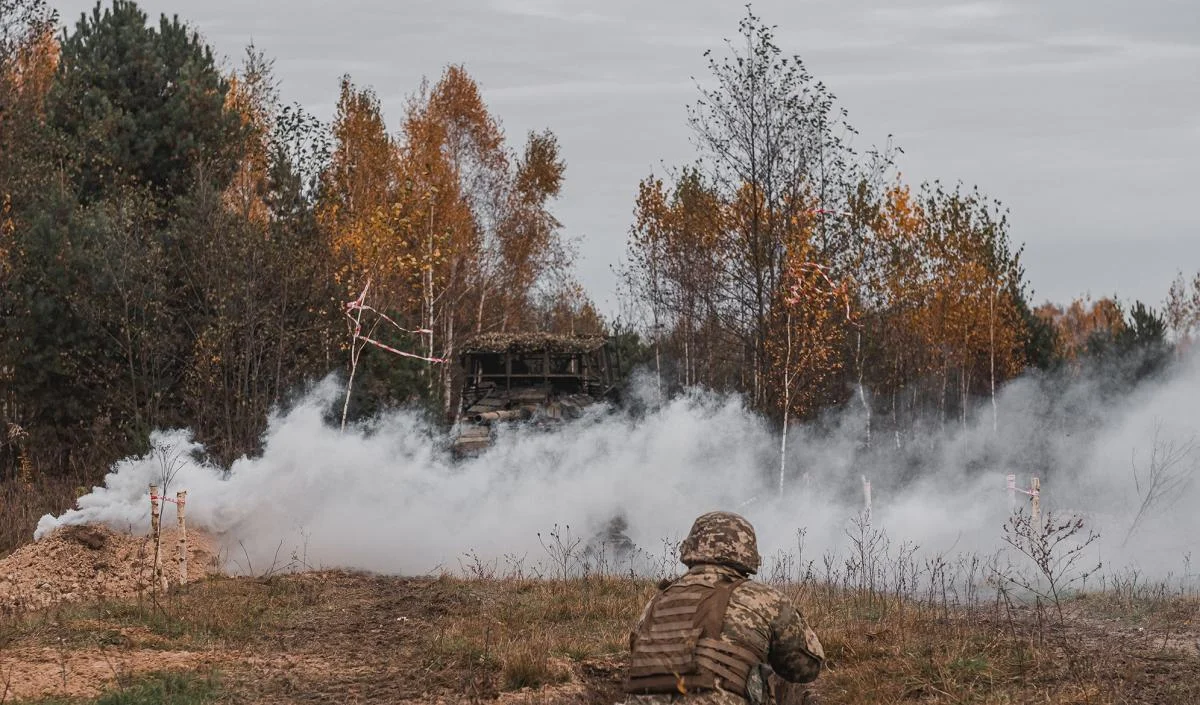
(679, 649)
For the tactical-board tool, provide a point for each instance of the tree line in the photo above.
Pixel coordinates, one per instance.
(181, 247)
(786, 265)
(178, 244)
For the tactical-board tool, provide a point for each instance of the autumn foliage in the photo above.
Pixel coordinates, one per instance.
(178, 245)
(788, 266)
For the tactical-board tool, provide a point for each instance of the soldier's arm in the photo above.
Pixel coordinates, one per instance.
(795, 652)
(637, 627)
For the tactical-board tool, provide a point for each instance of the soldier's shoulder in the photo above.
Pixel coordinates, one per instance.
(760, 594)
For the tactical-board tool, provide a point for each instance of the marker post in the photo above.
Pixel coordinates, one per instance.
(181, 504)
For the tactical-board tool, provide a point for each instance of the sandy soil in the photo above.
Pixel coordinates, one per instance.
(63, 671)
(85, 563)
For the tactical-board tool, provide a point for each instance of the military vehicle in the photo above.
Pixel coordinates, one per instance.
(541, 379)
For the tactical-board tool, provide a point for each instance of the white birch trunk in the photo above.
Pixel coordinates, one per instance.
(862, 391)
(992, 345)
(787, 403)
(156, 537)
(447, 374)
(355, 351)
(429, 299)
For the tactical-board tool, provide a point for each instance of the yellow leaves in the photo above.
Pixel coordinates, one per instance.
(651, 212)
(678, 235)
(810, 321)
(1075, 325)
(7, 225)
(946, 281)
(7, 229)
(436, 215)
(35, 61)
(366, 211)
(251, 98)
(899, 218)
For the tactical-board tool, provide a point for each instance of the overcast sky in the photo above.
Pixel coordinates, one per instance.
(1082, 116)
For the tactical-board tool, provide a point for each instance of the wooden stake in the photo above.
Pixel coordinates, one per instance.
(156, 535)
(1035, 494)
(181, 503)
(1012, 493)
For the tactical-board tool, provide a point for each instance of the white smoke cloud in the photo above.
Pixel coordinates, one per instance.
(385, 497)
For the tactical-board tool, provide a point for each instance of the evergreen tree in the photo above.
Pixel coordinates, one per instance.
(139, 105)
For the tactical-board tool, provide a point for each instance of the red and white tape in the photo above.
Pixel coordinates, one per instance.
(360, 304)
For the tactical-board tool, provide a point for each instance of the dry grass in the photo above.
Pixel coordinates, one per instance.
(149, 689)
(896, 630)
(337, 636)
(483, 637)
(23, 503)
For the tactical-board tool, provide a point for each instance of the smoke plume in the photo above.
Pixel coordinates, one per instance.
(385, 495)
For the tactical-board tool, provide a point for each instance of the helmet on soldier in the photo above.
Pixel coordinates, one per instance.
(723, 538)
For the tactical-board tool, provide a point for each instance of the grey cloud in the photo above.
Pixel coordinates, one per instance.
(1081, 115)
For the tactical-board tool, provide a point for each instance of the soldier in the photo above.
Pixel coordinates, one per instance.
(713, 636)
(610, 548)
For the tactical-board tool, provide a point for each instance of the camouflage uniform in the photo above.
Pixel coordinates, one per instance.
(758, 621)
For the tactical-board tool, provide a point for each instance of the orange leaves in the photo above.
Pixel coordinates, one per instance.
(899, 219)
(679, 243)
(540, 170)
(30, 68)
(453, 146)
(252, 98)
(7, 227)
(526, 242)
(360, 179)
(439, 211)
(810, 320)
(469, 133)
(947, 279)
(681, 234)
(652, 215)
(898, 286)
(452, 227)
(1082, 319)
(367, 205)
(807, 280)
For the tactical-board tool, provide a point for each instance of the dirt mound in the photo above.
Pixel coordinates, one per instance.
(76, 563)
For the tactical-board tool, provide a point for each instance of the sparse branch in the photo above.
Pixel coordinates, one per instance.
(1055, 548)
(1170, 470)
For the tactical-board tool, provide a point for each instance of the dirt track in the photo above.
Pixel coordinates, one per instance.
(332, 638)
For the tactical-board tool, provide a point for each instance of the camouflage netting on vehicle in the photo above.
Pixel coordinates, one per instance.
(532, 342)
(82, 563)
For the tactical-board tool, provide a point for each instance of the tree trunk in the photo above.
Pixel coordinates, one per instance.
(992, 346)
(479, 310)
(862, 392)
(945, 384)
(447, 369)
(429, 325)
(896, 418)
(687, 354)
(787, 403)
(965, 386)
